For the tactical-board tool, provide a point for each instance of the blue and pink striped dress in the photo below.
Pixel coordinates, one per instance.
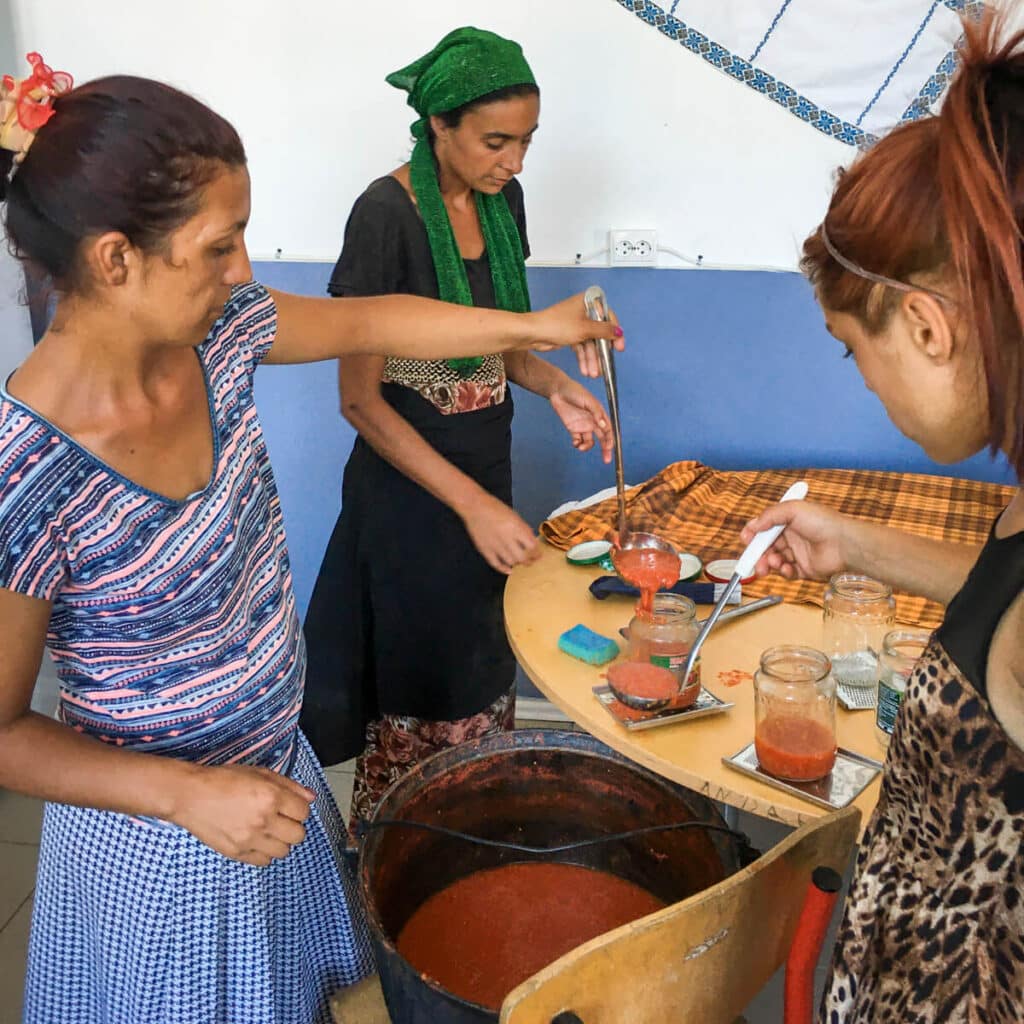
(174, 632)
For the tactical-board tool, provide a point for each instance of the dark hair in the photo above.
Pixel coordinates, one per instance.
(119, 154)
(945, 195)
(453, 118)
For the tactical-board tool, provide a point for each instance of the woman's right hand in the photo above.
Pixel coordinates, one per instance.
(500, 534)
(567, 323)
(814, 545)
(248, 814)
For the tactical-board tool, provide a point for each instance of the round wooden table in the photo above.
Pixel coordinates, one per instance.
(544, 599)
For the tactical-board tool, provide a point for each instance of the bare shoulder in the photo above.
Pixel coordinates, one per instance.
(1005, 673)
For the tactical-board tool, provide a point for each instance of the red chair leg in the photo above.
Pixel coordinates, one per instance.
(806, 948)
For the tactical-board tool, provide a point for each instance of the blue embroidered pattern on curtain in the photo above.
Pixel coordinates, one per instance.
(850, 129)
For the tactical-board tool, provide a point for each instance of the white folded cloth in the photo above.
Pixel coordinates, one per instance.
(572, 506)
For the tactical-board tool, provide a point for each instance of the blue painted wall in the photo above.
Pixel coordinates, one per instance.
(732, 368)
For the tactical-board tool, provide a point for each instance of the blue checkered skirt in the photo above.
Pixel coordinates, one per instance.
(138, 924)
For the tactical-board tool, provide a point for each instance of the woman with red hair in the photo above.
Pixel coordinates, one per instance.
(918, 269)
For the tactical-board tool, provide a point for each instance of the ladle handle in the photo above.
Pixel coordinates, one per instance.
(597, 309)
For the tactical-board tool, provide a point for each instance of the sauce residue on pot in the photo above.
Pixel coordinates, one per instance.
(488, 932)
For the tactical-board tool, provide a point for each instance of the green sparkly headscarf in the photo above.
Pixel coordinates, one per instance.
(467, 64)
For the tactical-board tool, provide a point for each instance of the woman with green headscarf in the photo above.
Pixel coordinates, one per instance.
(407, 647)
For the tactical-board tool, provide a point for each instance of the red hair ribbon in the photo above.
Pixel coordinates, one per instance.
(27, 105)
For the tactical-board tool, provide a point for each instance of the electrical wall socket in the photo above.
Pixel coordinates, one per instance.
(637, 247)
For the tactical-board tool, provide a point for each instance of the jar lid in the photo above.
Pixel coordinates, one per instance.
(689, 566)
(590, 552)
(721, 570)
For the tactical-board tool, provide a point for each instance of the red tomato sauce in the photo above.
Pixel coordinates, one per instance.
(642, 679)
(648, 569)
(795, 749)
(490, 931)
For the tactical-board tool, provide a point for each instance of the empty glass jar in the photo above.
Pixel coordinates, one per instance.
(859, 611)
(900, 651)
(795, 714)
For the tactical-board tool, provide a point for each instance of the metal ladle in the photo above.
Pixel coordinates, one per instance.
(597, 309)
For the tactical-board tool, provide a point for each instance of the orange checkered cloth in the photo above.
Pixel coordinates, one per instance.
(702, 510)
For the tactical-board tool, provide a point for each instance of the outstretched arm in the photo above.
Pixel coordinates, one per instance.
(310, 329)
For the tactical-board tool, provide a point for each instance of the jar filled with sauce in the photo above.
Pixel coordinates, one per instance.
(795, 714)
(664, 636)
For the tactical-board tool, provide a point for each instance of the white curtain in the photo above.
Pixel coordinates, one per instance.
(852, 70)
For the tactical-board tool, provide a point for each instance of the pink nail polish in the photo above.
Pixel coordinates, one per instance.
(618, 332)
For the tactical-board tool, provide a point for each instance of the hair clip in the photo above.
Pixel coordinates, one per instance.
(27, 105)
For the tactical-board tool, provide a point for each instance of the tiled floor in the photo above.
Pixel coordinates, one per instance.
(20, 819)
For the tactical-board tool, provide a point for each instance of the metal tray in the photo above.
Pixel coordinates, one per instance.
(705, 704)
(850, 776)
(857, 698)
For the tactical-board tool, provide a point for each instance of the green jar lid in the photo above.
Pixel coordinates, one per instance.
(690, 566)
(590, 552)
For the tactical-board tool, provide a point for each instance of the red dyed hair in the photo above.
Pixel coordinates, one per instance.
(945, 196)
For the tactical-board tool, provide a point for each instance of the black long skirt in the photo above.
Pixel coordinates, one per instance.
(406, 617)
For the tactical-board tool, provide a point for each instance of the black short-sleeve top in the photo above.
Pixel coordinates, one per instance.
(386, 252)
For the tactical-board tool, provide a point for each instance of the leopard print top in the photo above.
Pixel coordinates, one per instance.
(933, 928)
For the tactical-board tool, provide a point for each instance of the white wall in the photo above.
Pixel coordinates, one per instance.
(15, 327)
(15, 331)
(635, 131)
(8, 47)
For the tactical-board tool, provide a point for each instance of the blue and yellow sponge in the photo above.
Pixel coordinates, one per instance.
(585, 644)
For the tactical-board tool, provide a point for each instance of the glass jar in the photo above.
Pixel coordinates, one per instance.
(859, 611)
(665, 635)
(795, 713)
(901, 650)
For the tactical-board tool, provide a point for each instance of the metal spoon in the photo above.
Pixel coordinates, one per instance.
(744, 567)
(597, 309)
(657, 703)
(632, 700)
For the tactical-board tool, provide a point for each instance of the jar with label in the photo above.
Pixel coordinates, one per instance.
(901, 650)
(795, 714)
(859, 611)
(665, 635)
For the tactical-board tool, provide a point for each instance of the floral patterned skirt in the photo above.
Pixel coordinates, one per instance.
(395, 744)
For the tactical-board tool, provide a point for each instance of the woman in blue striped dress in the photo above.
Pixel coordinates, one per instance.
(189, 866)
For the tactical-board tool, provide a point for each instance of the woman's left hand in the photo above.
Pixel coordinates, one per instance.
(583, 416)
